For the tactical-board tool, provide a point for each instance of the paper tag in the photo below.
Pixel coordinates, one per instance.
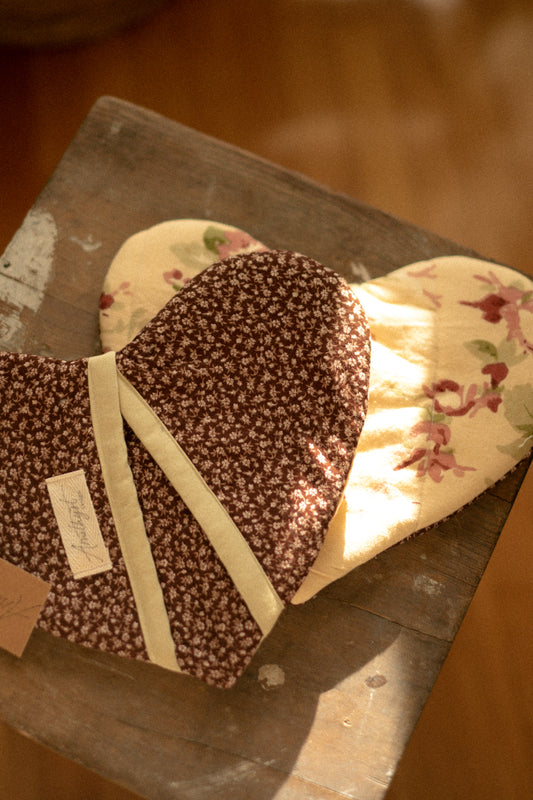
(78, 524)
(22, 597)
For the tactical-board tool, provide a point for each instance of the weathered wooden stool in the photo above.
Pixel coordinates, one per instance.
(330, 700)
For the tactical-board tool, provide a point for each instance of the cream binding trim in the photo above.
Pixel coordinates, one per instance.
(232, 548)
(113, 397)
(127, 515)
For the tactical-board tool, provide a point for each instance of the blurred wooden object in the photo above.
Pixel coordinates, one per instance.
(421, 108)
(37, 23)
(354, 666)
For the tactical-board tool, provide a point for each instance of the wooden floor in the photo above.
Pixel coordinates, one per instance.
(422, 108)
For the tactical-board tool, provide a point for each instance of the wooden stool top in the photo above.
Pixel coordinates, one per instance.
(332, 696)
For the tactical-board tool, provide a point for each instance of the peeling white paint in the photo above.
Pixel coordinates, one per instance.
(29, 256)
(422, 583)
(88, 244)
(26, 269)
(218, 779)
(359, 272)
(116, 127)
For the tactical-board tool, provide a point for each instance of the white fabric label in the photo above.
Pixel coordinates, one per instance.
(78, 525)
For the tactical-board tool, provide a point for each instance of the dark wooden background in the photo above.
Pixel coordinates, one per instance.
(424, 109)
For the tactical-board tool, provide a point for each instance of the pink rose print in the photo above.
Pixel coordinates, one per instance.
(224, 243)
(425, 272)
(498, 373)
(108, 298)
(235, 242)
(505, 304)
(467, 400)
(432, 461)
(106, 301)
(175, 278)
(450, 399)
(491, 306)
(435, 298)
(172, 275)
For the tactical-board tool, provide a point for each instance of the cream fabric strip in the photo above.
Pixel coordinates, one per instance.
(239, 560)
(127, 515)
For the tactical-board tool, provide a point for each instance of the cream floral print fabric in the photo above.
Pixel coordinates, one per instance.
(153, 265)
(450, 400)
(450, 403)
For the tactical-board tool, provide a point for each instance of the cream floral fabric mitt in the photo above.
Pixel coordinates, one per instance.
(451, 386)
(151, 266)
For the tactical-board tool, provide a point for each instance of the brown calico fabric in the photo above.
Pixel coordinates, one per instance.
(259, 369)
(46, 430)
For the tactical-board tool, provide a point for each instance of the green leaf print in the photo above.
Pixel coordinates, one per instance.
(213, 237)
(507, 351)
(193, 254)
(481, 349)
(510, 353)
(518, 411)
(138, 320)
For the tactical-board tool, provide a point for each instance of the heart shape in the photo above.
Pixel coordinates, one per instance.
(450, 404)
(450, 399)
(244, 400)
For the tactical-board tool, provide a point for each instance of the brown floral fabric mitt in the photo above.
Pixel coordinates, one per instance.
(450, 409)
(175, 495)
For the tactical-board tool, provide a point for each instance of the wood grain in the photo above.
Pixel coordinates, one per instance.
(358, 662)
(425, 110)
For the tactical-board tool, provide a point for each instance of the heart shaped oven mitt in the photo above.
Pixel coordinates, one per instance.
(451, 398)
(450, 403)
(179, 535)
(154, 264)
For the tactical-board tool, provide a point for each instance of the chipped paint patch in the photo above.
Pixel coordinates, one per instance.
(207, 783)
(427, 585)
(31, 251)
(271, 676)
(27, 268)
(88, 244)
(358, 272)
